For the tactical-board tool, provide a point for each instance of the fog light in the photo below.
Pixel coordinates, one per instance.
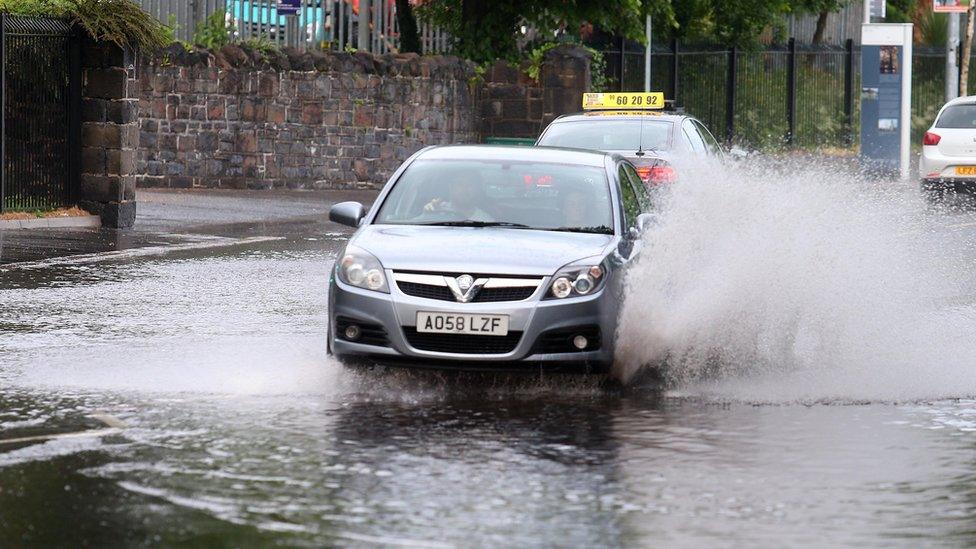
(580, 342)
(353, 332)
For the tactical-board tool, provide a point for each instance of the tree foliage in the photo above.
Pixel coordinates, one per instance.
(484, 30)
(121, 22)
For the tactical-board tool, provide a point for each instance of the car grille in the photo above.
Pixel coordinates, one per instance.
(490, 295)
(371, 334)
(487, 294)
(442, 293)
(561, 340)
(462, 343)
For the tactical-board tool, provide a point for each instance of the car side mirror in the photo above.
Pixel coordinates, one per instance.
(641, 225)
(347, 213)
(644, 222)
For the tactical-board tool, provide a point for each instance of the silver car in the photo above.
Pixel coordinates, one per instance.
(489, 256)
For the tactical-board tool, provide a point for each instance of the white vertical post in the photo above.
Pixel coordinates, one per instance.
(647, 54)
(952, 56)
(906, 100)
(362, 42)
(867, 11)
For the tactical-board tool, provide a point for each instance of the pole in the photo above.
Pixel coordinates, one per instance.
(674, 70)
(730, 95)
(623, 60)
(867, 11)
(362, 43)
(906, 100)
(791, 93)
(849, 92)
(647, 54)
(952, 59)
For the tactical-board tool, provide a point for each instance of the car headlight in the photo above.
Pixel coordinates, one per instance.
(361, 269)
(577, 280)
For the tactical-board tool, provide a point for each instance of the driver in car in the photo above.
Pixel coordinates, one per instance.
(464, 199)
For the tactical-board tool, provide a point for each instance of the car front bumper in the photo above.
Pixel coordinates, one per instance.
(538, 321)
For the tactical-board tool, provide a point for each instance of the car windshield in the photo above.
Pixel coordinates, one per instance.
(958, 116)
(609, 135)
(480, 193)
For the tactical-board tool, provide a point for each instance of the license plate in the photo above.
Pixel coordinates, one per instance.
(462, 323)
(965, 170)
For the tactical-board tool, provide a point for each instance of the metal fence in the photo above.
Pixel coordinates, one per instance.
(785, 95)
(329, 24)
(40, 102)
(778, 96)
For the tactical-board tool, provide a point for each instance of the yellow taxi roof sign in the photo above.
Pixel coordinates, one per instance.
(623, 100)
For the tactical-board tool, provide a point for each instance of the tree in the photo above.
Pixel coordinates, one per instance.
(487, 30)
(409, 37)
(728, 22)
(967, 48)
(822, 8)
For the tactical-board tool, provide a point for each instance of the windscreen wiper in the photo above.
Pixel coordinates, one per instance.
(602, 229)
(473, 223)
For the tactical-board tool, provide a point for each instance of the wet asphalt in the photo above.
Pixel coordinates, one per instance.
(181, 395)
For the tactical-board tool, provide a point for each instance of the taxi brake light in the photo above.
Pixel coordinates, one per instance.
(931, 138)
(657, 175)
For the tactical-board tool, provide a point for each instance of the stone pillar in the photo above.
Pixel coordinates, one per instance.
(515, 105)
(109, 134)
(564, 76)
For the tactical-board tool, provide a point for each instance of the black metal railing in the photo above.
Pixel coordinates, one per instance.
(779, 96)
(39, 100)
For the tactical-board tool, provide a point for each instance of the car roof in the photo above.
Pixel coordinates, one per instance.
(517, 153)
(666, 116)
(966, 99)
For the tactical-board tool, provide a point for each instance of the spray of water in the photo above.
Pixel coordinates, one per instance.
(789, 280)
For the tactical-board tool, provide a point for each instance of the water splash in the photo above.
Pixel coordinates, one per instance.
(791, 280)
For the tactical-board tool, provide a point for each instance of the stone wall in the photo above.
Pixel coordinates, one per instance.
(240, 119)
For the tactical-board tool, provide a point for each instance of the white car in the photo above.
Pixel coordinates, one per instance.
(948, 161)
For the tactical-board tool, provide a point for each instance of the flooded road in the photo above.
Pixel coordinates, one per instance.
(219, 420)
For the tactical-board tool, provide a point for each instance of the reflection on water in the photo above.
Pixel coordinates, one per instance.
(241, 431)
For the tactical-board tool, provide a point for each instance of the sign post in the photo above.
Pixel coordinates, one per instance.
(886, 96)
(950, 6)
(289, 7)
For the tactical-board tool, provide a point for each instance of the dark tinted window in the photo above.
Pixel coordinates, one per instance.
(710, 142)
(694, 139)
(958, 116)
(643, 197)
(608, 135)
(628, 196)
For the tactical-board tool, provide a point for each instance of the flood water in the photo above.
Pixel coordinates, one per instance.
(236, 429)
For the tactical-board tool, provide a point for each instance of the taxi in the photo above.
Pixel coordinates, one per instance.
(640, 126)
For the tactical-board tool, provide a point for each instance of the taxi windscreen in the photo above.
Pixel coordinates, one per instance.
(528, 195)
(609, 135)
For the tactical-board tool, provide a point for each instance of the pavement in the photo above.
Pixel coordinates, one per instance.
(169, 219)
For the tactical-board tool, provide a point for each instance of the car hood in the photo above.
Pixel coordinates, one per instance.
(479, 250)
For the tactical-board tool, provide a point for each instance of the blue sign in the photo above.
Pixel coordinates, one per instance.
(289, 7)
(881, 75)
